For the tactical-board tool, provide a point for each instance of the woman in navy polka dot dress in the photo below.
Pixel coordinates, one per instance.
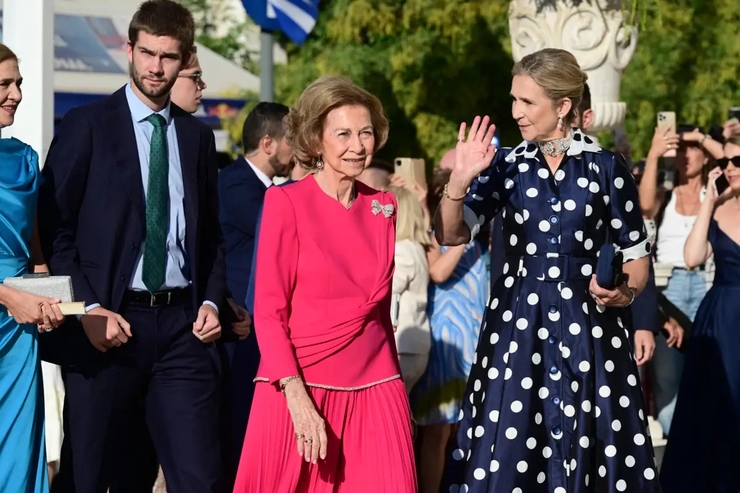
(553, 403)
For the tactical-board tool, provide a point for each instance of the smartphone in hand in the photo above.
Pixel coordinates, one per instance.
(667, 121)
(721, 183)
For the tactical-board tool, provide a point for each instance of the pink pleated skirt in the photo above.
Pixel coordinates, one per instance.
(369, 449)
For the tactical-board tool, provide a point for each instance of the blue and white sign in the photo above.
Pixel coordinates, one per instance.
(296, 18)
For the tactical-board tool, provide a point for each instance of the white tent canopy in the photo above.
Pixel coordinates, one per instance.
(90, 56)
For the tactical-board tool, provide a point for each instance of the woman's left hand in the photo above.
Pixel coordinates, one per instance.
(616, 298)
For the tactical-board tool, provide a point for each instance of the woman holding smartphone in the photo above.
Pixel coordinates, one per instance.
(703, 447)
(674, 212)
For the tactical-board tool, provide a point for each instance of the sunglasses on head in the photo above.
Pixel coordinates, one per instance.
(723, 162)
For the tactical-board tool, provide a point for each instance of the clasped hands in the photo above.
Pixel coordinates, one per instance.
(27, 308)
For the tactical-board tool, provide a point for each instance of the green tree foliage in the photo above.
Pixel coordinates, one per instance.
(433, 63)
(688, 61)
(216, 29)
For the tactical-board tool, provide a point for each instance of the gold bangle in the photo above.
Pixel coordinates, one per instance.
(286, 382)
(455, 199)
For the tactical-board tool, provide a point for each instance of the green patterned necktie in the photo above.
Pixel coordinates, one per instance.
(157, 198)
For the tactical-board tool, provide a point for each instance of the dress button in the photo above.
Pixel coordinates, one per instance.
(556, 430)
(552, 340)
(556, 400)
(553, 240)
(554, 219)
(553, 200)
(553, 309)
(553, 370)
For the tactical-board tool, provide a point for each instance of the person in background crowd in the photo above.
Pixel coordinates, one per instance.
(457, 297)
(702, 450)
(553, 336)
(322, 313)
(242, 187)
(674, 213)
(645, 307)
(189, 86)
(377, 174)
(23, 464)
(129, 211)
(410, 286)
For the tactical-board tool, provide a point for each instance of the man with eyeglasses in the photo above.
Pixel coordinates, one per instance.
(189, 87)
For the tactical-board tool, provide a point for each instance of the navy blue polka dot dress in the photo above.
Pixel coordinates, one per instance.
(553, 402)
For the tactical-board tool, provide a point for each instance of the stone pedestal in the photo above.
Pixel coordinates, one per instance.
(594, 31)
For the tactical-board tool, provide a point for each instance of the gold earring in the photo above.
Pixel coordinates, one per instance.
(560, 122)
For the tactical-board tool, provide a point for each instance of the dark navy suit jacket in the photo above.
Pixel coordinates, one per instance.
(241, 194)
(249, 301)
(92, 213)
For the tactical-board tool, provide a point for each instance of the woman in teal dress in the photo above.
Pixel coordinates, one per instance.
(22, 455)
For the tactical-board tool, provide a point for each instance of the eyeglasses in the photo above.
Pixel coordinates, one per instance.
(196, 77)
(724, 161)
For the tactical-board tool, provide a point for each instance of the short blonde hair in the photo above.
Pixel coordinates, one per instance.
(558, 73)
(410, 217)
(733, 139)
(305, 122)
(192, 59)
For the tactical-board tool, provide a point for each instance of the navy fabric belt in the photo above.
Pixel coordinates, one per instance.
(550, 269)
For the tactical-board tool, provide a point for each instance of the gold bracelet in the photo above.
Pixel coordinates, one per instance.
(286, 382)
(455, 199)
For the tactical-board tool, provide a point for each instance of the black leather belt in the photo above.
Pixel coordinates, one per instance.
(160, 298)
(701, 267)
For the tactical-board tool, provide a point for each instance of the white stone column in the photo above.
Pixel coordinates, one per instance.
(594, 31)
(28, 30)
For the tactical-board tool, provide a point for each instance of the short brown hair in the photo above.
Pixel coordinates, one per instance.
(7, 54)
(164, 18)
(305, 122)
(557, 72)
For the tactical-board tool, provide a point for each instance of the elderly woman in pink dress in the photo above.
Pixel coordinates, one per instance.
(330, 412)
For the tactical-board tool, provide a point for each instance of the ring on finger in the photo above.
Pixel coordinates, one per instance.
(298, 436)
(308, 441)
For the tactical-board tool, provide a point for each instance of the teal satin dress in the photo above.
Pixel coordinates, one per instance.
(22, 451)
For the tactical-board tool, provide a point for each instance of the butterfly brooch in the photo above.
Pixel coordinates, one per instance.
(386, 209)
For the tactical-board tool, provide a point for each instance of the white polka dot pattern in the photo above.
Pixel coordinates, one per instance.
(556, 407)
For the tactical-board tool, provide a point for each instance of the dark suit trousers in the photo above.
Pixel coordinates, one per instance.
(162, 386)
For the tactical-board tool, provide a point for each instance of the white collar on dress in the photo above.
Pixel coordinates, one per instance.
(581, 143)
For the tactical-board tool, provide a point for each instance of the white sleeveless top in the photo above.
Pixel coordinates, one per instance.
(672, 234)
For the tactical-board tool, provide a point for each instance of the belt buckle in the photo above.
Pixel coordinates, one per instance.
(153, 299)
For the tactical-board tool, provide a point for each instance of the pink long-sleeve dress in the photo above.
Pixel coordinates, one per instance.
(322, 311)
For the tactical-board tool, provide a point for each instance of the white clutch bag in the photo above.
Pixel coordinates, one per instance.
(59, 287)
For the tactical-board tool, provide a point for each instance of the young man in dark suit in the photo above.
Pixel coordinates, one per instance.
(129, 211)
(242, 186)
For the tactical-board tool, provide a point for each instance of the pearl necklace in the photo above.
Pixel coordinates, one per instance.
(556, 147)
